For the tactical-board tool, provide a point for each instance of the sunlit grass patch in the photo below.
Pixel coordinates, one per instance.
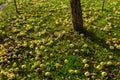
(2, 1)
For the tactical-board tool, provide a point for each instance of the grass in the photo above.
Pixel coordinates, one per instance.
(2, 1)
(41, 44)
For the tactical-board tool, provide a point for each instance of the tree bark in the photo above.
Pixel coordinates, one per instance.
(76, 11)
(16, 7)
(103, 2)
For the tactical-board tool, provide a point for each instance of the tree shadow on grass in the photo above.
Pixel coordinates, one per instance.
(1, 39)
(100, 41)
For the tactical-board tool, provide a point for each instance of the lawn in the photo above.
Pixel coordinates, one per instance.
(40, 43)
(2, 1)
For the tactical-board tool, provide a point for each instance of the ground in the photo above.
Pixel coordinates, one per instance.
(40, 43)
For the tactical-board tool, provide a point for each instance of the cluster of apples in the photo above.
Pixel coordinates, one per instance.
(100, 67)
(113, 43)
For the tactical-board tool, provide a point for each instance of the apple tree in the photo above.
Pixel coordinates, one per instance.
(76, 12)
(15, 4)
(103, 2)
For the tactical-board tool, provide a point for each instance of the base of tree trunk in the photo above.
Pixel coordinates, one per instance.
(76, 12)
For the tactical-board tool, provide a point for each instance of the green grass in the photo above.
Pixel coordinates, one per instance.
(40, 43)
(2, 1)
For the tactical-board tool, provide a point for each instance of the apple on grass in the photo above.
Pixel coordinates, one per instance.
(87, 73)
(103, 74)
(47, 73)
(84, 60)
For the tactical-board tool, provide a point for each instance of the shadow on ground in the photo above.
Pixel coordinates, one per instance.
(101, 42)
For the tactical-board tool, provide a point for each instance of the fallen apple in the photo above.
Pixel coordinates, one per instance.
(118, 63)
(87, 74)
(103, 74)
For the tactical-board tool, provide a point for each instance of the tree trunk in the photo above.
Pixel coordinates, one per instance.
(16, 6)
(76, 11)
(103, 2)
